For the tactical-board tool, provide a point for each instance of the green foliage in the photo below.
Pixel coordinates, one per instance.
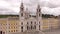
(5, 16)
(47, 16)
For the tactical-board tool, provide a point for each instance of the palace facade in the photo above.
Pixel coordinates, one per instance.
(26, 21)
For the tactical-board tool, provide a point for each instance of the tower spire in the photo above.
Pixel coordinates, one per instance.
(38, 13)
(38, 5)
(22, 6)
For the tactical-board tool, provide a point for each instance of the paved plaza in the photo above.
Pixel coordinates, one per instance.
(29, 32)
(40, 32)
(53, 32)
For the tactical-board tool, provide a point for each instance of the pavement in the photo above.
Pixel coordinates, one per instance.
(40, 32)
(29, 32)
(53, 32)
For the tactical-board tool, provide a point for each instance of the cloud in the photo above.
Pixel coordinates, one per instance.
(4, 4)
(51, 11)
(48, 6)
(5, 11)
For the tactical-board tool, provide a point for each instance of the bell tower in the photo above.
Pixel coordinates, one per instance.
(38, 13)
(39, 17)
(22, 13)
(22, 7)
(22, 18)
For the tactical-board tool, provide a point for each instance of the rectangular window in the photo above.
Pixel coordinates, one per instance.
(9, 27)
(35, 22)
(31, 22)
(14, 30)
(39, 22)
(21, 14)
(27, 22)
(14, 27)
(39, 15)
(34, 26)
(21, 23)
(27, 27)
(16, 23)
(21, 27)
(0, 32)
(29, 15)
(39, 27)
(39, 10)
(21, 30)
(31, 27)
(11, 30)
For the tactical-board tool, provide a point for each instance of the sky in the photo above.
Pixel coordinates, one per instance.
(51, 7)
